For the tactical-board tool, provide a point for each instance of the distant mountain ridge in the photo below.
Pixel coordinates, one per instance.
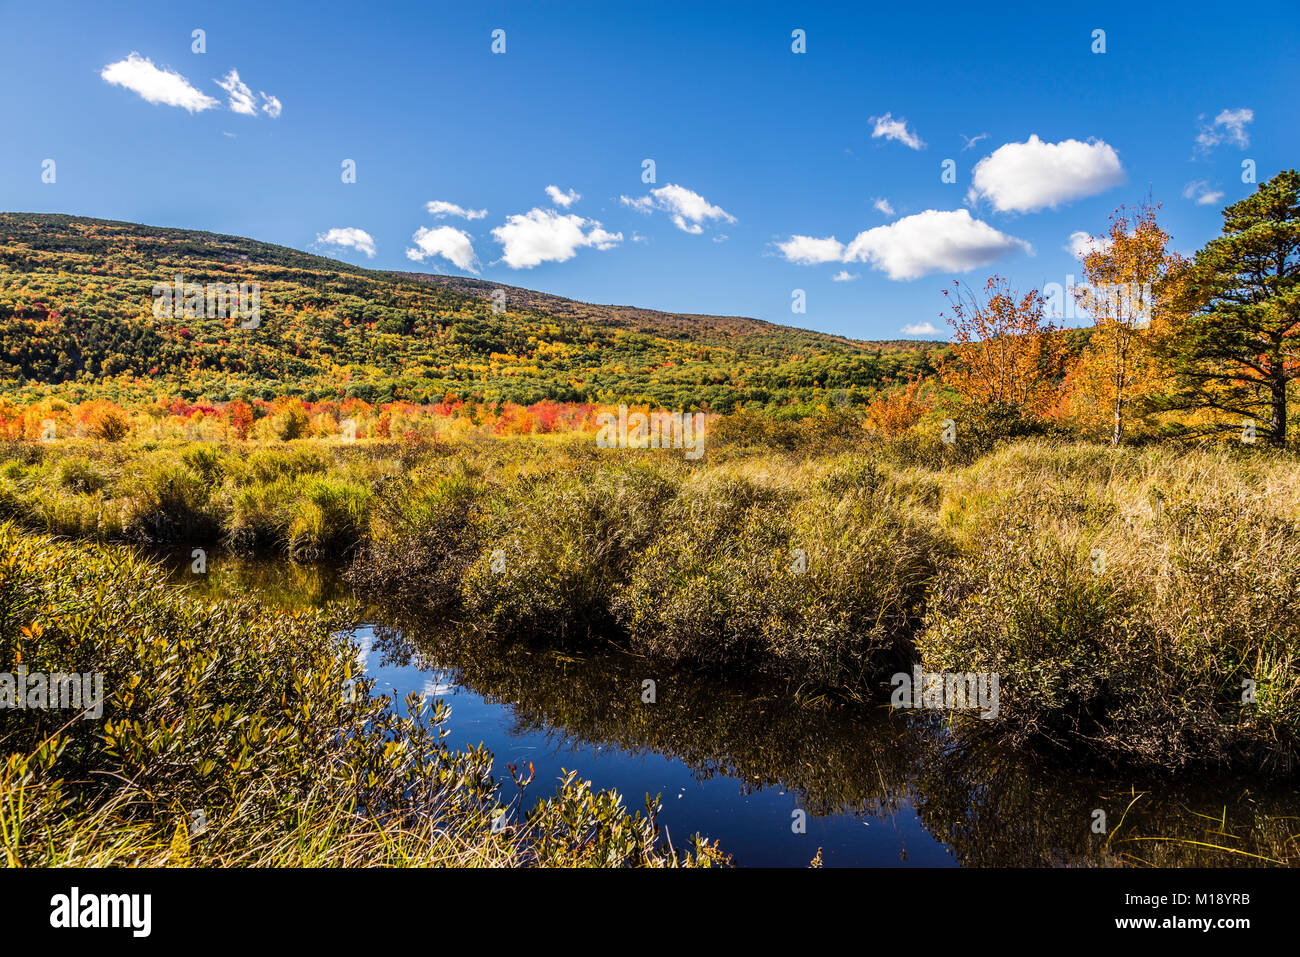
(648, 321)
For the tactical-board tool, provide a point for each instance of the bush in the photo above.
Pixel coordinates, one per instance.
(260, 514)
(81, 476)
(205, 460)
(556, 549)
(822, 589)
(169, 504)
(329, 518)
(424, 535)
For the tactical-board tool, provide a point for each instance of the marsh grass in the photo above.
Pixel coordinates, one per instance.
(972, 556)
(1129, 598)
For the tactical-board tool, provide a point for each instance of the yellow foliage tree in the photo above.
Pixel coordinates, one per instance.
(1118, 369)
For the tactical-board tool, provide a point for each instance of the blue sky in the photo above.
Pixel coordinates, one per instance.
(762, 155)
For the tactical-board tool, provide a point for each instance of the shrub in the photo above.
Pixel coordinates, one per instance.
(329, 517)
(169, 503)
(424, 535)
(823, 589)
(555, 550)
(260, 514)
(80, 475)
(205, 460)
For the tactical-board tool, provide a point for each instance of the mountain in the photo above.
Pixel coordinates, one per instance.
(77, 312)
(738, 332)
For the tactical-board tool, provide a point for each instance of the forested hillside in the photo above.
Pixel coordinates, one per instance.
(76, 311)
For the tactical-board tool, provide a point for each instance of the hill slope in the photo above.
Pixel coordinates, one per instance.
(76, 312)
(737, 332)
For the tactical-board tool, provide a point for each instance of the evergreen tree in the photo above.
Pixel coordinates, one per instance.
(1236, 344)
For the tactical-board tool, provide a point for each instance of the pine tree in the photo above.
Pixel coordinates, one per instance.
(1236, 345)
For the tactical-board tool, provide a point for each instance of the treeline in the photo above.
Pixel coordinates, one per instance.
(1200, 346)
(288, 418)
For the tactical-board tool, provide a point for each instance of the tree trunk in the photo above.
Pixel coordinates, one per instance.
(1121, 378)
(1277, 424)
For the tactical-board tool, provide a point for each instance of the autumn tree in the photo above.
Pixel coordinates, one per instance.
(109, 424)
(895, 411)
(1124, 270)
(1237, 342)
(240, 416)
(1005, 355)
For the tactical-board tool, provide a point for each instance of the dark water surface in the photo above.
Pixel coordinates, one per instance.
(735, 761)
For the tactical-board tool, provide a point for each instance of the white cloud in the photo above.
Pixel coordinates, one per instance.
(442, 209)
(139, 75)
(454, 245)
(970, 141)
(348, 237)
(560, 198)
(1200, 191)
(914, 246)
(543, 235)
(809, 251)
(844, 276)
(270, 105)
(932, 241)
(689, 210)
(1229, 126)
(882, 204)
(892, 129)
(1022, 177)
(1082, 243)
(241, 97)
(919, 329)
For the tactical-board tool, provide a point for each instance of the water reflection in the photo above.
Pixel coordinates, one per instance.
(736, 761)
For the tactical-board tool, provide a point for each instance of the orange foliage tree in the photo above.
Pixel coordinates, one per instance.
(897, 410)
(240, 415)
(1005, 353)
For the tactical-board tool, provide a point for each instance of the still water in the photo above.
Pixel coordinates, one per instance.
(744, 764)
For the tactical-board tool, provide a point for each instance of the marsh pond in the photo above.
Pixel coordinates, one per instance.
(778, 781)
